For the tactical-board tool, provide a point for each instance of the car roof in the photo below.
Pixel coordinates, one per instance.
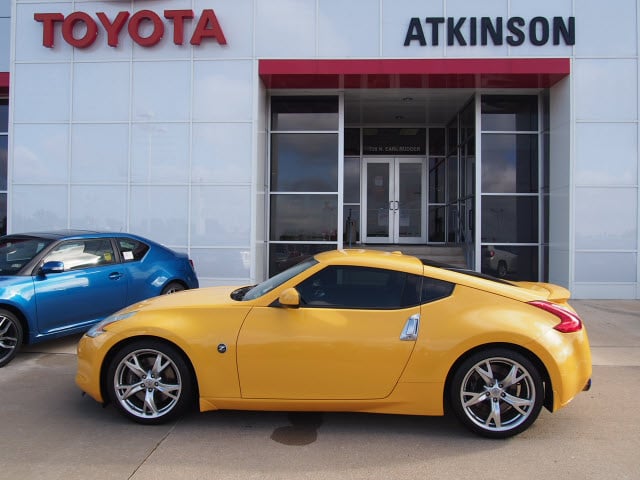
(371, 258)
(69, 233)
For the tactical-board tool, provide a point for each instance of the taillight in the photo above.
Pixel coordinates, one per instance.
(569, 321)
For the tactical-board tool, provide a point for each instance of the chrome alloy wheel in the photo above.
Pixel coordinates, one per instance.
(499, 394)
(10, 337)
(147, 384)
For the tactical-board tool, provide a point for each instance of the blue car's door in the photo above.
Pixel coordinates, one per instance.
(91, 286)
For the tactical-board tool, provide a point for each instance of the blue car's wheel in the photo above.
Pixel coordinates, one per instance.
(172, 287)
(150, 382)
(10, 336)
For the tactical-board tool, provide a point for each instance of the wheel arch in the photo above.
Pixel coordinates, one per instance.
(546, 379)
(104, 367)
(26, 331)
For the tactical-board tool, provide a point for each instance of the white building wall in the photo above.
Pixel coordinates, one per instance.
(170, 141)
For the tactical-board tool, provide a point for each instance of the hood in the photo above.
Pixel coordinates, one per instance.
(195, 298)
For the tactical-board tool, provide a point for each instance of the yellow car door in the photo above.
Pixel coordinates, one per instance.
(350, 338)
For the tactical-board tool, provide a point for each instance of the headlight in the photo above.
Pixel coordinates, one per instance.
(98, 328)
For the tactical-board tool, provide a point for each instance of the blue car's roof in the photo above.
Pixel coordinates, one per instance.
(58, 234)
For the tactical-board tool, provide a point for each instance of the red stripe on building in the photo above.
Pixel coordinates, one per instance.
(415, 73)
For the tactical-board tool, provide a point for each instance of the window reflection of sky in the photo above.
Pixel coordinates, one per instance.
(304, 217)
(304, 163)
(509, 163)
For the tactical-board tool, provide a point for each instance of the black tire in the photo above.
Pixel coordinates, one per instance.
(11, 336)
(172, 287)
(497, 393)
(149, 382)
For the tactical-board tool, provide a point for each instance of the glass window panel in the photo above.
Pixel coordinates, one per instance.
(510, 113)
(304, 217)
(304, 162)
(436, 224)
(509, 219)
(467, 122)
(352, 141)
(509, 262)
(3, 161)
(509, 163)
(452, 138)
(394, 141)
(452, 223)
(452, 176)
(285, 255)
(352, 180)
(304, 113)
(4, 115)
(436, 141)
(3, 213)
(351, 215)
(437, 179)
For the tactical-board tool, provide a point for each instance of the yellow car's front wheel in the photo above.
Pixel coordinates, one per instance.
(149, 382)
(497, 393)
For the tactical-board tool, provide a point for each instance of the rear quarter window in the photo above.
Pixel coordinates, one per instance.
(132, 250)
(433, 289)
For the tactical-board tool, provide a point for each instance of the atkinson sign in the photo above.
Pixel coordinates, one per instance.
(146, 28)
(513, 31)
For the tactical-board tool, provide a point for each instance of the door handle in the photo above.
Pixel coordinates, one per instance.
(115, 276)
(410, 330)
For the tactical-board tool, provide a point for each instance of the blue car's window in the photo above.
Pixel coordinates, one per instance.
(16, 252)
(82, 253)
(132, 250)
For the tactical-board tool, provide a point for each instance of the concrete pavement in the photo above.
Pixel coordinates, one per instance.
(49, 431)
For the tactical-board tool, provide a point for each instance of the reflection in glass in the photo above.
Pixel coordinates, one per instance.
(3, 213)
(304, 162)
(436, 141)
(509, 163)
(4, 115)
(510, 113)
(436, 224)
(3, 162)
(352, 180)
(436, 180)
(452, 175)
(378, 199)
(304, 113)
(510, 219)
(394, 141)
(285, 255)
(351, 215)
(510, 262)
(410, 200)
(304, 217)
(352, 141)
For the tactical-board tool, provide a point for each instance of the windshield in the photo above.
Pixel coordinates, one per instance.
(16, 252)
(278, 279)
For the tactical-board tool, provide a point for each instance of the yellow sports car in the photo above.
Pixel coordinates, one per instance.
(347, 330)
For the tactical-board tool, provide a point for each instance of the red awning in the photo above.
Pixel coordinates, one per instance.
(4, 83)
(415, 73)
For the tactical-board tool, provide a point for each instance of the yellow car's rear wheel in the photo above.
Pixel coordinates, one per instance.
(497, 393)
(150, 382)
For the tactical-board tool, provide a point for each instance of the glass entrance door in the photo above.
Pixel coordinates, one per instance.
(394, 199)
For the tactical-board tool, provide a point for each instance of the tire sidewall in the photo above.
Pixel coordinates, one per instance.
(495, 353)
(17, 327)
(186, 393)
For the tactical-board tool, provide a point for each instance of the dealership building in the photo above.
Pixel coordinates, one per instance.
(498, 134)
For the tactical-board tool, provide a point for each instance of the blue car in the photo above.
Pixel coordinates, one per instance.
(60, 283)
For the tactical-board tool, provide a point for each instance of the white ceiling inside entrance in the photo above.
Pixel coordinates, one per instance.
(403, 107)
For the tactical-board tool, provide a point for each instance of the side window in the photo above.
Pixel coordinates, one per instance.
(77, 254)
(360, 287)
(433, 289)
(132, 250)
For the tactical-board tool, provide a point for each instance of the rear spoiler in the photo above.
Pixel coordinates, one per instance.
(553, 293)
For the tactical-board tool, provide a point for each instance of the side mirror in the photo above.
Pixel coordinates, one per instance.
(290, 298)
(52, 267)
